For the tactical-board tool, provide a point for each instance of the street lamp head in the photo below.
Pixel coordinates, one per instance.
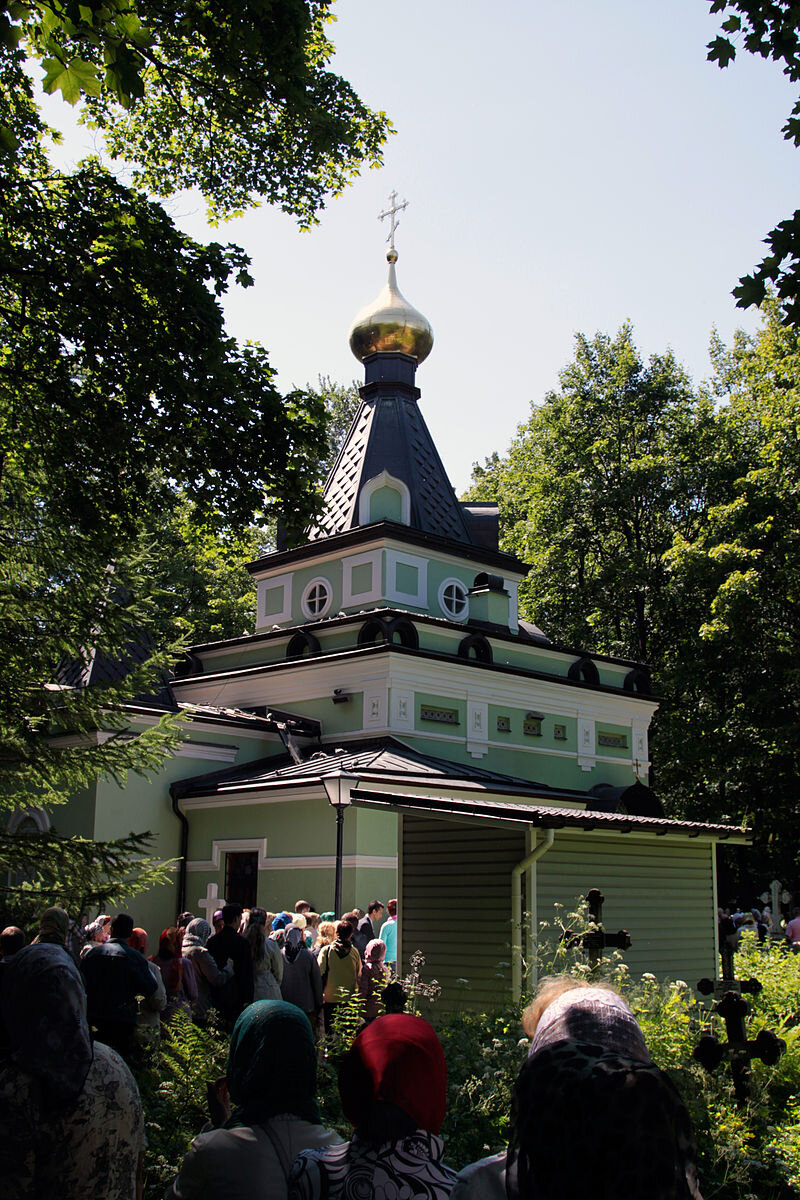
(338, 788)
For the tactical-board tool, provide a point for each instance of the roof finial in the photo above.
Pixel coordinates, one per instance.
(391, 212)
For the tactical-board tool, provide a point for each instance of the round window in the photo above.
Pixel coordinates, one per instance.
(316, 598)
(453, 599)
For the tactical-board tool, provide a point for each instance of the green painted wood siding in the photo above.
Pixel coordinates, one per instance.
(456, 907)
(660, 890)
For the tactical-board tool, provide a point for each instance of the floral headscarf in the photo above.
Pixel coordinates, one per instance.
(197, 933)
(272, 1064)
(591, 1014)
(44, 1010)
(375, 953)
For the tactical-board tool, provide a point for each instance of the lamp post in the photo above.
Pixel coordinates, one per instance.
(338, 788)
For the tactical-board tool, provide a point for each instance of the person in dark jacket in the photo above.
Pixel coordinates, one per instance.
(115, 975)
(365, 929)
(238, 992)
(302, 982)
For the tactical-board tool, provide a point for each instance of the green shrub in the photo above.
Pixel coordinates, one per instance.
(744, 1153)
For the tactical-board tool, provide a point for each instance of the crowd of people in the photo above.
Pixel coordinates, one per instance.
(734, 921)
(592, 1113)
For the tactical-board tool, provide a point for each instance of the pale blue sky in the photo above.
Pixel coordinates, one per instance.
(568, 165)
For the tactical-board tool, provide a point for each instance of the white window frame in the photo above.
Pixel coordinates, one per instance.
(266, 585)
(375, 484)
(348, 566)
(449, 582)
(304, 605)
(395, 559)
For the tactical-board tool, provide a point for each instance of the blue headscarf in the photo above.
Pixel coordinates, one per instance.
(281, 921)
(272, 1065)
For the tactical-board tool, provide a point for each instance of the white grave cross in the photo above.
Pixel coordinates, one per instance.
(211, 902)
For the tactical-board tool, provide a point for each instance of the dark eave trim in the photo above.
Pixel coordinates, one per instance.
(498, 633)
(384, 530)
(431, 655)
(548, 818)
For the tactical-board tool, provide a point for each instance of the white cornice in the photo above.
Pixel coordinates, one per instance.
(315, 679)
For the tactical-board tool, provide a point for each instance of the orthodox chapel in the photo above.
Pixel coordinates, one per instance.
(393, 726)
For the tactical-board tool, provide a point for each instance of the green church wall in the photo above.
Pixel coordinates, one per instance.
(386, 504)
(76, 819)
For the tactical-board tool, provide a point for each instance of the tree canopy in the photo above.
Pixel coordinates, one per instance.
(770, 29)
(234, 100)
(661, 523)
(131, 424)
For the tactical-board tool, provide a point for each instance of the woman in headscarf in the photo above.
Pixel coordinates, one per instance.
(393, 1085)
(592, 1115)
(70, 1112)
(148, 1016)
(207, 975)
(340, 967)
(267, 958)
(302, 982)
(373, 978)
(53, 928)
(177, 973)
(272, 1083)
(97, 932)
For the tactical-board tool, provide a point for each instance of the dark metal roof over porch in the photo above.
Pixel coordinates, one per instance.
(543, 816)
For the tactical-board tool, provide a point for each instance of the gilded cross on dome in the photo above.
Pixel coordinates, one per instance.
(391, 212)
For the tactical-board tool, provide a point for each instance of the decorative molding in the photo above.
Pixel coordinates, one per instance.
(349, 597)
(394, 559)
(322, 862)
(35, 814)
(375, 484)
(587, 756)
(374, 716)
(477, 727)
(267, 620)
(206, 751)
(640, 751)
(451, 678)
(230, 846)
(402, 709)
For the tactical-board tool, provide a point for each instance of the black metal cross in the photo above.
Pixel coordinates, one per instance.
(596, 940)
(733, 1008)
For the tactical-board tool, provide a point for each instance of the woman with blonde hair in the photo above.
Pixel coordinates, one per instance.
(326, 936)
(592, 1114)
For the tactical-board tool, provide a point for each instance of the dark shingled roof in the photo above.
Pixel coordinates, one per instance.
(389, 434)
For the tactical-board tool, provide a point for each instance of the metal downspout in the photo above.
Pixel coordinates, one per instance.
(184, 848)
(516, 909)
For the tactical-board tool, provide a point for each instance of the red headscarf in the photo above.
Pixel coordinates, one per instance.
(398, 1059)
(138, 940)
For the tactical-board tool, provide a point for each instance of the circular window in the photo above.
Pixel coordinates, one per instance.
(316, 598)
(453, 599)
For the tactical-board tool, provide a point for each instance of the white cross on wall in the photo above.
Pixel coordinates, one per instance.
(211, 902)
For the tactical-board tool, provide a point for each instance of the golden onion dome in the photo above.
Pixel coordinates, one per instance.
(390, 325)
